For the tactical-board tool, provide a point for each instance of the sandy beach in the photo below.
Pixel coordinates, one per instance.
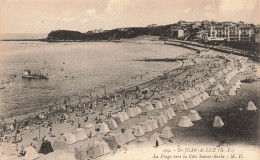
(198, 75)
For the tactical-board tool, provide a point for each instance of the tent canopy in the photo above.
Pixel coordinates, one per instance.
(46, 147)
(185, 122)
(30, 153)
(218, 123)
(251, 106)
(70, 138)
(59, 145)
(167, 133)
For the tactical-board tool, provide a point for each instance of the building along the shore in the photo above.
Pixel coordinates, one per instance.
(231, 32)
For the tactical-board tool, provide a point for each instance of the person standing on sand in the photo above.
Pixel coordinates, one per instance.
(86, 118)
(50, 133)
(22, 152)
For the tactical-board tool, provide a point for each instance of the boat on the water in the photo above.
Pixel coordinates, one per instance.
(31, 75)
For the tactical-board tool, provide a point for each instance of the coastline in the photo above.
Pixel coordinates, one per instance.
(204, 108)
(153, 39)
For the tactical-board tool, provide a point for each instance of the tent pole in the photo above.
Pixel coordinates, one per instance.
(39, 131)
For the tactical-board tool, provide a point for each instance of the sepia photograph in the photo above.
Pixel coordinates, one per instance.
(129, 79)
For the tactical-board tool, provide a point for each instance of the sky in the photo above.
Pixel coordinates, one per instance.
(43, 16)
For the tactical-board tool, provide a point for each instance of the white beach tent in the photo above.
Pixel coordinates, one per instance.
(197, 90)
(104, 128)
(163, 118)
(147, 126)
(168, 115)
(218, 123)
(182, 106)
(80, 134)
(193, 115)
(238, 84)
(158, 105)
(172, 100)
(163, 103)
(129, 137)
(154, 123)
(138, 131)
(229, 68)
(102, 146)
(180, 98)
(159, 121)
(167, 102)
(201, 87)
(185, 95)
(143, 107)
(156, 137)
(131, 112)
(30, 153)
(185, 122)
(146, 106)
(214, 92)
(167, 133)
(59, 144)
(90, 130)
(190, 103)
(125, 115)
(149, 106)
(171, 111)
(199, 100)
(232, 91)
(120, 116)
(206, 84)
(70, 138)
(120, 138)
(112, 123)
(220, 87)
(219, 74)
(204, 96)
(138, 110)
(251, 106)
(212, 80)
(225, 71)
(220, 98)
(227, 80)
(191, 92)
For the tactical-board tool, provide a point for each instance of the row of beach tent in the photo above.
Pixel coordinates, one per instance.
(233, 89)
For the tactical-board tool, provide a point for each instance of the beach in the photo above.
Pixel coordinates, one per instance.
(198, 75)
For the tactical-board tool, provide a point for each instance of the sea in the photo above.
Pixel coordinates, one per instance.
(75, 70)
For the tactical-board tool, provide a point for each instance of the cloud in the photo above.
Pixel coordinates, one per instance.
(68, 13)
(234, 6)
(187, 10)
(84, 20)
(209, 15)
(209, 7)
(244, 10)
(69, 19)
(114, 6)
(91, 12)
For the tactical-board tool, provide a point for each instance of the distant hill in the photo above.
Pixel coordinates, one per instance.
(66, 35)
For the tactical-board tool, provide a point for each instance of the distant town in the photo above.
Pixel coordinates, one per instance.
(206, 31)
(236, 35)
